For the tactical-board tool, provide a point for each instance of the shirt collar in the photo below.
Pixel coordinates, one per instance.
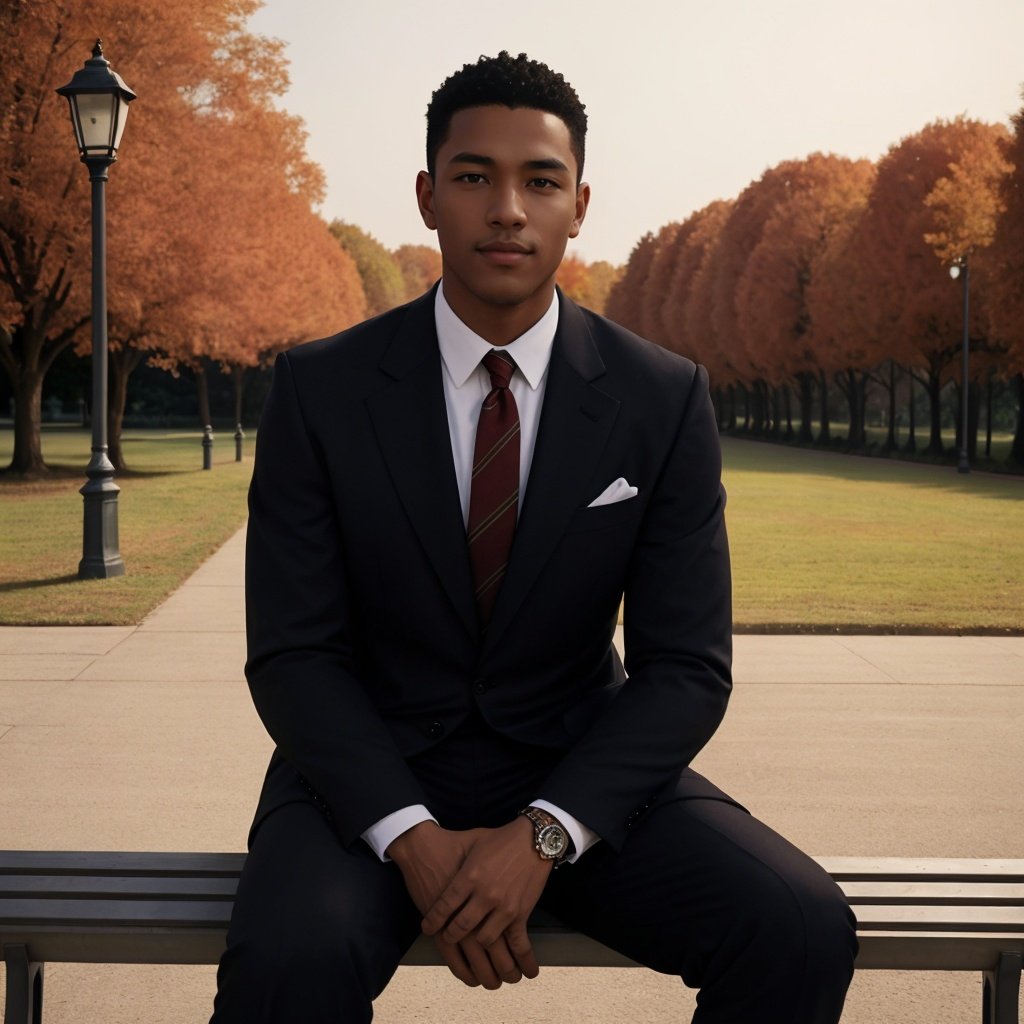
(462, 349)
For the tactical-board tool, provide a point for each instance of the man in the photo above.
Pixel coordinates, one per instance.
(449, 503)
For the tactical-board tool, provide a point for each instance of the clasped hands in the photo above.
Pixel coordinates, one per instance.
(476, 890)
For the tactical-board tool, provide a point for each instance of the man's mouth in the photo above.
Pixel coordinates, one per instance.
(504, 253)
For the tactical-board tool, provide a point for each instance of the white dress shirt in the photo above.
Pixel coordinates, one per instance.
(466, 384)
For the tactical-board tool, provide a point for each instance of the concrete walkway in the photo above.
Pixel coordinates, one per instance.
(144, 737)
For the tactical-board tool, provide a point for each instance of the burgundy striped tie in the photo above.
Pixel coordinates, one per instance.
(494, 494)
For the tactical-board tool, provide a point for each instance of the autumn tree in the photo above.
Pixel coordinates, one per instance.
(587, 283)
(822, 198)
(655, 287)
(185, 251)
(1005, 264)
(380, 273)
(905, 303)
(626, 295)
(420, 266)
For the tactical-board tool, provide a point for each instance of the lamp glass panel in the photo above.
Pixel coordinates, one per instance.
(121, 113)
(96, 115)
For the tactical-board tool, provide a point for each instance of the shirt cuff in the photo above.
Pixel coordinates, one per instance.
(582, 837)
(380, 836)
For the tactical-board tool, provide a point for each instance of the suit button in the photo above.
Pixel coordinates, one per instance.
(479, 685)
(436, 729)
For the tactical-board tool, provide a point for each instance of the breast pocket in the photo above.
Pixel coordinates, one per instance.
(603, 517)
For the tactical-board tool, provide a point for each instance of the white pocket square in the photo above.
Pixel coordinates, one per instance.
(617, 490)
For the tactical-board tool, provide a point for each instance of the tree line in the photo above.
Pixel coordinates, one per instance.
(828, 273)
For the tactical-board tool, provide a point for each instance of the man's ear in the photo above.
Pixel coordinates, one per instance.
(425, 199)
(582, 202)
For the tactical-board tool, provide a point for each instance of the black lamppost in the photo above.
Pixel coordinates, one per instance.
(99, 108)
(963, 264)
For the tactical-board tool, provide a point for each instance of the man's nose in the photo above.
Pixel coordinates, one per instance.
(507, 208)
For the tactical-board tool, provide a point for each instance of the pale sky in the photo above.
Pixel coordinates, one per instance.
(688, 100)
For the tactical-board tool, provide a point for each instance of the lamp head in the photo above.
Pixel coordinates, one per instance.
(99, 100)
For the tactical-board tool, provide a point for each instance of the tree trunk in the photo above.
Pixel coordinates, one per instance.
(238, 376)
(124, 362)
(934, 390)
(731, 424)
(806, 382)
(853, 389)
(988, 416)
(1017, 448)
(28, 420)
(202, 394)
(891, 441)
(973, 419)
(911, 445)
(746, 407)
(759, 410)
(789, 412)
(825, 431)
(775, 430)
(858, 436)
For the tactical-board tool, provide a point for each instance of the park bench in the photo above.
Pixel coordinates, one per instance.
(173, 908)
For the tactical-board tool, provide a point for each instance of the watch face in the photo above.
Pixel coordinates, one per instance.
(552, 841)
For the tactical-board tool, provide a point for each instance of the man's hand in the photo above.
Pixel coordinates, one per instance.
(429, 857)
(490, 898)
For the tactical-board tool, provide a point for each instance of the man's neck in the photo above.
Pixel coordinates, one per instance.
(497, 324)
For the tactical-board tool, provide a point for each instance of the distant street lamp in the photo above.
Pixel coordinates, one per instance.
(99, 108)
(964, 463)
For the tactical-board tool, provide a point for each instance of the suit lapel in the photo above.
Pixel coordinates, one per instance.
(576, 421)
(411, 424)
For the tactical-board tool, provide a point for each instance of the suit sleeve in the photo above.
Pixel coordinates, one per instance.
(678, 641)
(300, 621)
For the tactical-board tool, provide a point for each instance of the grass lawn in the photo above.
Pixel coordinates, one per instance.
(829, 540)
(172, 515)
(819, 540)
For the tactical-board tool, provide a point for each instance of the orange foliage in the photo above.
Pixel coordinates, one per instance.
(420, 266)
(822, 198)
(1005, 262)
(212, 241)
(587, 283)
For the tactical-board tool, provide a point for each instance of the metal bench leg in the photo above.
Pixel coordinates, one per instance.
(24, 987)
(1002, 990)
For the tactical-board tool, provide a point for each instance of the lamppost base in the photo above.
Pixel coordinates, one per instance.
(101, 549)
(91, 569)
(963, 463)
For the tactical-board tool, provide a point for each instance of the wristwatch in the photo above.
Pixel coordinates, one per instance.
(550, 840)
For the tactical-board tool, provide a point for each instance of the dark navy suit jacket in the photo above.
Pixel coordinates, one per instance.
(364, 645)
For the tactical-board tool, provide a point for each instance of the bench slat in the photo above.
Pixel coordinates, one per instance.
(100, 862)
(934, 893)
(116, 913)
(103, 886)
(897, 869)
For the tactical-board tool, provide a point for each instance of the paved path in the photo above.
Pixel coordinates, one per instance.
(144, 738)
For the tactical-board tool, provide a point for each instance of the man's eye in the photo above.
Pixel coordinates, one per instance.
(544, 183)
(470, 178)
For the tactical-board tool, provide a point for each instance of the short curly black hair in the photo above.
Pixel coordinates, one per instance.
(506, 81)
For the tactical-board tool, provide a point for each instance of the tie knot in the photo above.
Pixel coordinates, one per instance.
(500, 366)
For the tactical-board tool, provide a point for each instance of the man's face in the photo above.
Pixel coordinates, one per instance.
(504, 201)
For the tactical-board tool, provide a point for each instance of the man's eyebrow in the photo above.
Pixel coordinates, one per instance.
(472, 158)
(545, 164)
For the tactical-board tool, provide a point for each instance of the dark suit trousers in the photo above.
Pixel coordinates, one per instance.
(701, 889)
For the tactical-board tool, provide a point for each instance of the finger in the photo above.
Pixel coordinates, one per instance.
(457, 963)
(519, 944)
(447, 904)
(480, 964)
(493, 927)
(503, 962)
(469, 918)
